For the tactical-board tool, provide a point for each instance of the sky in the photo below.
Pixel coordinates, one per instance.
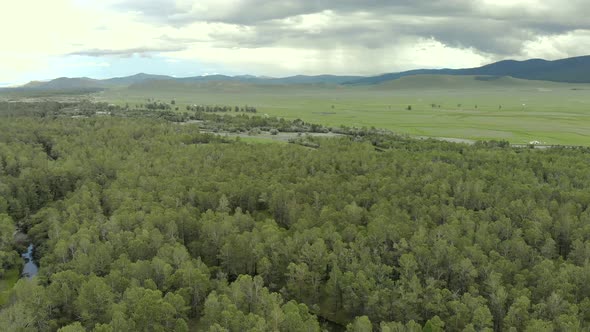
(45, 39)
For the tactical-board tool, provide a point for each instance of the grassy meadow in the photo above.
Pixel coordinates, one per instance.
(519, 111)
(464, 107)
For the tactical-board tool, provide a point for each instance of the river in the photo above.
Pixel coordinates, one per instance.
(30, 268)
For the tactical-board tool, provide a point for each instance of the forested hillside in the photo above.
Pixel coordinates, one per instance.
(149, 225)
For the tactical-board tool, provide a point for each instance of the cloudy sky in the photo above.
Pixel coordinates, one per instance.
(44, 39)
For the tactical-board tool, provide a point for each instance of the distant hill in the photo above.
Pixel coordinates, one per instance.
(570, 70)
(137, 78)
(174, 85)
(299, 79)
(66, 83)
(34, 84)
(425, 81)
(320, 79)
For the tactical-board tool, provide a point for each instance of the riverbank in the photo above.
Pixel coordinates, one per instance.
(7, 283)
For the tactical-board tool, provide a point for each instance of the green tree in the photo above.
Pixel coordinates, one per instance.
(74, 327)
(360, 324)
(94, 302)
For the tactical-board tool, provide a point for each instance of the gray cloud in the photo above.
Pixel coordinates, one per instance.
(145, 51)
(494, 28)
(252, 12)
(479, 34)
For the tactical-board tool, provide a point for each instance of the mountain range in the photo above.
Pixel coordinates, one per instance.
(570, 70)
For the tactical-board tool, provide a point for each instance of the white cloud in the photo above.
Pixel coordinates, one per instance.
(59, 27)
(287, 37)
(558, 46)
(12, 66)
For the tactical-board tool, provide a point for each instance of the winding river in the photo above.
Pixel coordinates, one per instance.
(30, 268)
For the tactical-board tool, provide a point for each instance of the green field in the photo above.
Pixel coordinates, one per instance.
(466, 107)
(508, 109)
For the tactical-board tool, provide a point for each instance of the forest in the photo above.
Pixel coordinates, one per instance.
(141, 223)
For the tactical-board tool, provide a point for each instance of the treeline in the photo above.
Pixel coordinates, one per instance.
(141, 226)
(221, 109)
(89, 108)
(54, 109)
(211, 121)
(157, 105)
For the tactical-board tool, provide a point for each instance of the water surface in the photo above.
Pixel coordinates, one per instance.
(30, 269)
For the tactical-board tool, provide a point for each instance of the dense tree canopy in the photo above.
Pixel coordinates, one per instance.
(143, 224)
